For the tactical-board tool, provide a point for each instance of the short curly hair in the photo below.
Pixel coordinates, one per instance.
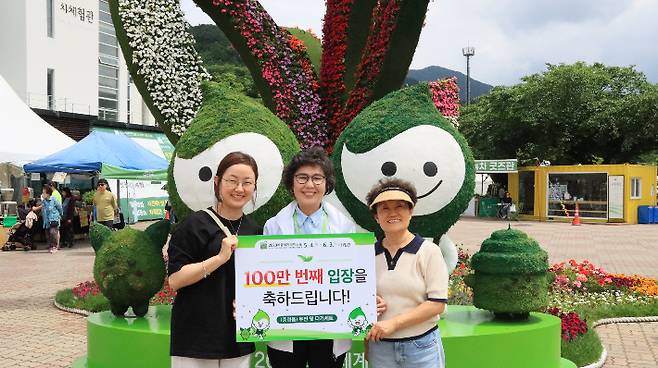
(314, 156)
(388, 184)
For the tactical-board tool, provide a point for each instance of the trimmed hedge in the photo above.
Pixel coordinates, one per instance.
(510, 293)
(511, 274)
(508, 252)
(129, 268)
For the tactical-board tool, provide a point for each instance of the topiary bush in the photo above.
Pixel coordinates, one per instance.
(129, 268)
(404, 135)
(224, 117)
(511, 275)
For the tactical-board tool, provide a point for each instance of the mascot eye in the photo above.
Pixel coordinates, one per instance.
(430, 168)
(205, 173)
(389, 168)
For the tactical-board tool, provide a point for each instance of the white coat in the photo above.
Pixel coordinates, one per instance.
(282, 224)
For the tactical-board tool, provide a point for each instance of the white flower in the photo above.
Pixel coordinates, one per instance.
(166, 59)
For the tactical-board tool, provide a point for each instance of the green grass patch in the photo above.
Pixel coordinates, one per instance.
(619, 310)
(583, 350)
(90, 303)
(586, 349)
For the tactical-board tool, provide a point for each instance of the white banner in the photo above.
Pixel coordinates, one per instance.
(302, 287)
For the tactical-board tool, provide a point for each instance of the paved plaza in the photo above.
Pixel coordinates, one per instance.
(33, 333)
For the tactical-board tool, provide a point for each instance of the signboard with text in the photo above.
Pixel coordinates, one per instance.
(495, 166)
(303, 287)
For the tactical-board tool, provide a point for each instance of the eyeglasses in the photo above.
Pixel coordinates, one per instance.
(233, 183)
(315, 179)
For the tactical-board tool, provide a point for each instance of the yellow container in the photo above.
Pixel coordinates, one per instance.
(3, 235)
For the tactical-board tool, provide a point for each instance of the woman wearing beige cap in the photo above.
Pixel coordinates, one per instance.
(413, 280)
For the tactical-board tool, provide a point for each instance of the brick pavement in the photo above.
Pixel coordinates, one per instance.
(33, 333)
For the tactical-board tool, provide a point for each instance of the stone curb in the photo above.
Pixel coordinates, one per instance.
(71, 310)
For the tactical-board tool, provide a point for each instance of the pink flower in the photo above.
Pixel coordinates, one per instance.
(562, 279)
(581, 277)
(577, 283)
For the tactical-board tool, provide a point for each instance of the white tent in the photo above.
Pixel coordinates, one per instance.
(25, 136)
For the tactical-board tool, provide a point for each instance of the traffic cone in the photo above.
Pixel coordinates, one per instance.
(576, 217)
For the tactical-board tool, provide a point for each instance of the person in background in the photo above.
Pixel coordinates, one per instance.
(68, 210)
(56, 194)
(51, 213)
(506, 208)
(413, 280)
(105, 203)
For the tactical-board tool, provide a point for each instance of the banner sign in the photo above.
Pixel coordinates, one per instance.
(153, 141)
(616, 197)
(495, 166)
(140, 199)
(305, 287)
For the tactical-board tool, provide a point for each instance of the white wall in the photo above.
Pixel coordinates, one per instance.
(13, 51)
(139, 113)
(26, 53)
(72, 53)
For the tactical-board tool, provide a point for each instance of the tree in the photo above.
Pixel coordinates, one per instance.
(568, 114)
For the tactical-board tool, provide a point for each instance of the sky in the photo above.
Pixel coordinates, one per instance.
(512, 38)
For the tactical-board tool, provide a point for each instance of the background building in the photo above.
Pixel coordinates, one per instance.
(605, 193)
(62, 58)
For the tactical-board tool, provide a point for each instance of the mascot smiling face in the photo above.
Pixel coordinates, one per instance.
(403, 135)
(230, 122)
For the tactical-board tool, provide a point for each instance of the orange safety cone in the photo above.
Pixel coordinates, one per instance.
(576, 217)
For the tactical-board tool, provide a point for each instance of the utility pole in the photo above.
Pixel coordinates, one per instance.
(468, 52)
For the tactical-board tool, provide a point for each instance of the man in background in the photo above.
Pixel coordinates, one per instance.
(105, 203)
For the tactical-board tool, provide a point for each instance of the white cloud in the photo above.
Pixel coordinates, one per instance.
(512, 38)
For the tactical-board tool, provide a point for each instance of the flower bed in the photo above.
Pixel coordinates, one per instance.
(87, 297)
(580, 294)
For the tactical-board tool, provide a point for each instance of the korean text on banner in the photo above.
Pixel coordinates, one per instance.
(303, 287)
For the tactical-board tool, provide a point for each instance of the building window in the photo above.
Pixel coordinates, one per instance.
(636, 188)
(50, 89)
(589, 190)
(49, 18)
(130, 81)
(108, 66)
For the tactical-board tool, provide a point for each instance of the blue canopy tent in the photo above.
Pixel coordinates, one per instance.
(103, 152)
(98, 148)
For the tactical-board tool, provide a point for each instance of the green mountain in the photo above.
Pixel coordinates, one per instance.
(434, 72)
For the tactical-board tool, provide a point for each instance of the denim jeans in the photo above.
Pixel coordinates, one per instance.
(421, 352)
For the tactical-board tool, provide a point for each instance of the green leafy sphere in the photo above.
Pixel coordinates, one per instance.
(224, 114)
(129, 268)
(511, 275)
(403, 135)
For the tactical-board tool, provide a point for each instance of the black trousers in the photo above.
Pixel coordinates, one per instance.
(67, 233)
(317, 353)
(108, 223)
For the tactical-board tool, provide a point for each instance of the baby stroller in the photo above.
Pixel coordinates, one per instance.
(21, 233)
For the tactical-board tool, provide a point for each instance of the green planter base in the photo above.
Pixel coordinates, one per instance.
(471, 339)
